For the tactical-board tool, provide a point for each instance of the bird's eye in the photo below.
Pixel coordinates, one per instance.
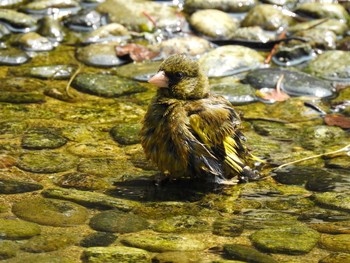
(179, 75)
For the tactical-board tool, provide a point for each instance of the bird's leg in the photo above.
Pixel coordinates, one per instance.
(161, 178)
(248, 175)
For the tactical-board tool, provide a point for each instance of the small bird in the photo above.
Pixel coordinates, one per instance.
(188, 132)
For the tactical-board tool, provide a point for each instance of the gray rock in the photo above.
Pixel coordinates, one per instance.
(8, 186)
(118, 222)
(117, 254)
(163, 242)
(46, 162)
(50, 212)
(18, 229)
(286, 240)
(248, 254)
(106, 85)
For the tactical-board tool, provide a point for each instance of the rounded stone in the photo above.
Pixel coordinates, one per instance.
(50, 212)
(46, 162)
(8, 249)
(81, 181)
(225, 227)
(8, 186)
(98, 239)
(118, 254)
(127, 133)
(163, 242)
(336, 258)
(178, 224)
(247, 254)
(337, 243)
(22, 97)
(18, 229)
(40, 258)
(339, 201)
(49, 242)
(116, 221)
(292, 240)
(43, 138)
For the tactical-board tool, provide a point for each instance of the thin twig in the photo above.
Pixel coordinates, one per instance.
(344, 149)
(71, 80)
(273, 50)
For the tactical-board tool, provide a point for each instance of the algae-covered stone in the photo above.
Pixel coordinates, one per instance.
(8, 249)
(338, 243)
(50, 212)
(116, 221)
(235, 6)
(339, 201)
(127, 133)
(98, 239)
(247, 254)
(91, 198)
(21, 97)
(18, 229)
(46, 162)
(117, 254)
(336, 258)
(43, 138)
(163, 242)
(214, 23)
(13, 56)
(180, 224)
(40, 258)
(8, 186)
(323, 10)
(226, 227)
(81, 181)
(44, 72)
(106, 85)
(49, 242)
(286, 239)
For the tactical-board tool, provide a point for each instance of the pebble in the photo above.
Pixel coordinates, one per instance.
(112, 32)
(46, 161)
(118, 222)
(81, 181)
(337, 243)
(8, 186)
(323, 10)
(116, 254)
(32, 41)
(126, 134)
(42, 138)
(13, 56)
(18, 229)
(162, 242)
(106, 85)
(181, 224)
(338, 201)
(98, 239)
(53, 212)
(59, 72)
(17, 21)
(292, 240)
(91, 198)
(247, 254)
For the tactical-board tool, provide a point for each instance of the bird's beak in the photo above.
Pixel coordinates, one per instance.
(160, 80)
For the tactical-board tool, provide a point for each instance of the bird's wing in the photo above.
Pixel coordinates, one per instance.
(215, 124)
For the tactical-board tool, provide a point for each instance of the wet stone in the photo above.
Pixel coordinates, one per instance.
(50, 27)
(95, 150)
(237, 94)
(44, 72)
(335, 258)
(291, 240)
(266, 16)
(49, 242)
(19, 84)
(117, 254)
(338, 201)
(180, 257)
(18, 229)
(13, 56)
(236, 6)
(179, 224)
(333, 228)
(341, 162)
(46, 162)
(118, 222)
(331, 65)
(163, 242)
(17, 21)
(127, 133)
(50, 212)
(294, 54)
(337, 26)
(319, 38)
(214, 23)
(297, 175)
(247, 254)
(85, 20)
(323, 10)
(22, 97)
(40, 258)
(106, 85)
(111, 32)
(8, 186)
(105, 167)
(229, 60)
(226, 227)
(43, 138)
(338, 243)
(8, 249)
(275, 130)
(98, 239)
(99, 55)
(43, 6)
(32, 41)
(251, 34)
(81, 181)
(294, 83)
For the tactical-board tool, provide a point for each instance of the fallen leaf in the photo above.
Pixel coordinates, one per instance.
(337, 120)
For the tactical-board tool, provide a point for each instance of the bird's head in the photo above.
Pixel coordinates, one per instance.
(181, 78)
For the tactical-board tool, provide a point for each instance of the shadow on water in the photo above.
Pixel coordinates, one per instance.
(145, 190)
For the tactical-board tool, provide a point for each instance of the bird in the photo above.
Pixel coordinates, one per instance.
(189, 132)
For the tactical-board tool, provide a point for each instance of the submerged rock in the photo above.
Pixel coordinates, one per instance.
(338, 201)
(50, 212)
(81, 181)
(338, 243)
(17, 21)
(13, 57)
(49, 242)
(8, 186)
(180, 224)
(18, 229)
(323, 10)
(126, 134)
(106, 85)
(112, 32)
(291, 240)
(44, 72)
(226, 227)
(43, 138)
(98, 239)
(247, 254)
(229, 60)
(34, 42)
(8, 249)
(115, 254)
